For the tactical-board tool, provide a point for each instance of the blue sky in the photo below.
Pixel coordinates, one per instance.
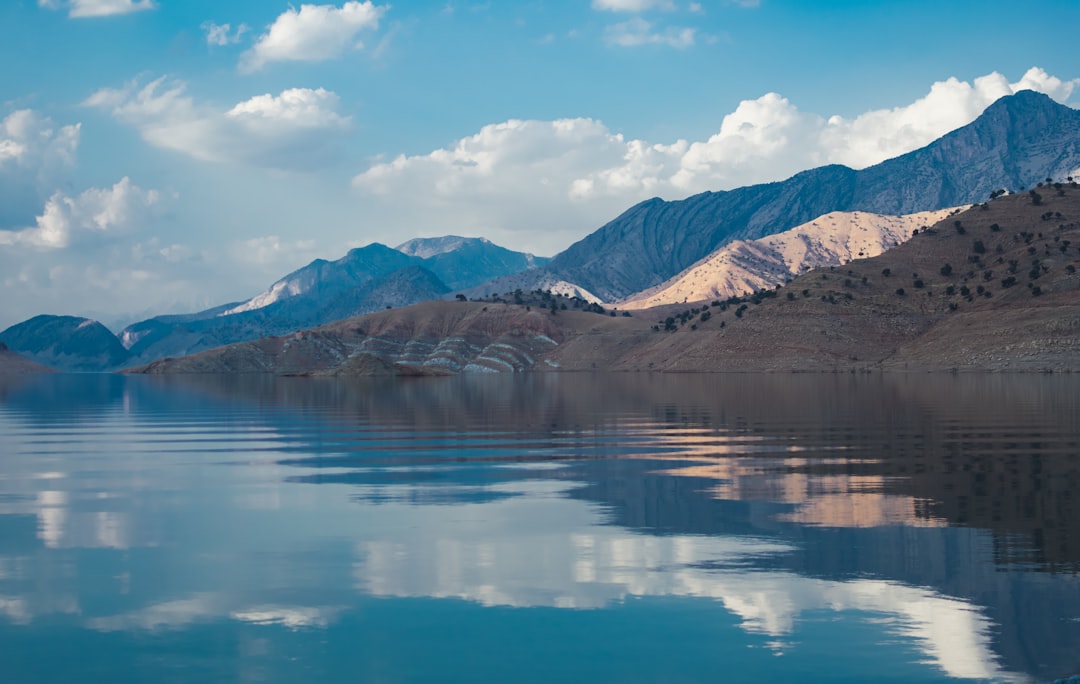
(168, 155)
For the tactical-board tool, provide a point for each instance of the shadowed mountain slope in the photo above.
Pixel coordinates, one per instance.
(66, 343)
(1018, 141)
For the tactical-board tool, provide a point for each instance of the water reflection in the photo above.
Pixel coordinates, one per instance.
(934, 513)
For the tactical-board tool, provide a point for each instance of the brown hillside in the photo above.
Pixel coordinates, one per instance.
(999, 292)
(430, 338)
(14, 364)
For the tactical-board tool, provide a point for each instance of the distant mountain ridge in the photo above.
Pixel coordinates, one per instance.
(65, 342)
(1019, 140)
(366, 279)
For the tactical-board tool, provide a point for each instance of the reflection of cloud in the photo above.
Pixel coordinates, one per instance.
(159, 616)
(15, 609)
(209, 607)
(497, 554)
(293, 617)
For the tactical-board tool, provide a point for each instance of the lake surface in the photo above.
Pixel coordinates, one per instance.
(578, 528)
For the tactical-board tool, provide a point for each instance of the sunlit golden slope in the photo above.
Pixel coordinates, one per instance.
(746, 266)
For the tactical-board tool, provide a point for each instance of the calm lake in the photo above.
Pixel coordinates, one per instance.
(540, 528)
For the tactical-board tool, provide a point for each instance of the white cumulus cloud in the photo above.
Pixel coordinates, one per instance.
(99, 8)
(294, 129)
(36, 156)
(29, 140)
(314, 33)
(572, 174)
(97, 212)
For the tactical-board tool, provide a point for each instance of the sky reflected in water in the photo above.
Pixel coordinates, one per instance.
(611, 528)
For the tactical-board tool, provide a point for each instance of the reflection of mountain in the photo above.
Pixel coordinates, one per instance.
(821, 461)
(554, 491)
(571, 565)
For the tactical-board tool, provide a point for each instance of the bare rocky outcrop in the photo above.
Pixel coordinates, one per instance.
(746, 266)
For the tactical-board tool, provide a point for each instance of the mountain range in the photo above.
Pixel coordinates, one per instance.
(366, 279)
(1018, 141)
(994, 288)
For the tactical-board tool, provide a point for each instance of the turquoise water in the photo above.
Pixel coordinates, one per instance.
(599, 528)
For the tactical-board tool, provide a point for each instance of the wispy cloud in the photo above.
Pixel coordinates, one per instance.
(98, 8)
(314, 33)
(637, 32)
(633, 5)
(222, 34)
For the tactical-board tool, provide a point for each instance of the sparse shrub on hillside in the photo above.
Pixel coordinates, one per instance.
(1036, 198)
(946, 270)
(886, 272)
(978, 247)
(900, 291)
(1070, 269)
(959, 227)
(995, 227)
(1008, 282)
(918, 283)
